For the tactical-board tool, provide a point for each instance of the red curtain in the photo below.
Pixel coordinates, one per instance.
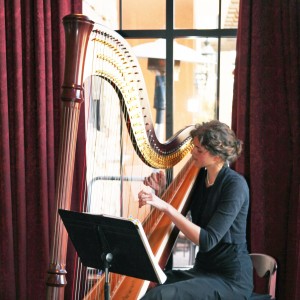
(31, 70)
(266, 117)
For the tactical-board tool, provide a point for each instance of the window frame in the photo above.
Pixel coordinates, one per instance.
(170, 34)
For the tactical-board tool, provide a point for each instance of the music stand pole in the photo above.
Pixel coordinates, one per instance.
(107, 260)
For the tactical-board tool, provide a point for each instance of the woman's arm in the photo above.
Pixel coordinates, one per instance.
(229, 215)
(189, 229)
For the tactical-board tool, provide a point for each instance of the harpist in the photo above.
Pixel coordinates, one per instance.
(219, 208)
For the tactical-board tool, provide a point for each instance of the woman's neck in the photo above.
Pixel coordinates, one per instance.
(212, 173)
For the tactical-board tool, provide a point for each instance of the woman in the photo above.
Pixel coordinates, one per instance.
(219, 208)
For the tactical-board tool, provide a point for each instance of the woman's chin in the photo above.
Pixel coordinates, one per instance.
(196, 163)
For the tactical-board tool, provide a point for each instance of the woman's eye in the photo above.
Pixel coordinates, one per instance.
(202, 151)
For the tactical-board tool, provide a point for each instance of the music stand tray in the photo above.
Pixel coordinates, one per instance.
(95, 236)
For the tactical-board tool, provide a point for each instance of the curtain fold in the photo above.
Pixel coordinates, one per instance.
(31, 70)
(266, 117)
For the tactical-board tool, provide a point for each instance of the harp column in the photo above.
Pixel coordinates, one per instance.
(77, 31)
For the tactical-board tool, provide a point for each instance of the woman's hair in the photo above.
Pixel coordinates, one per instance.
(218, 139)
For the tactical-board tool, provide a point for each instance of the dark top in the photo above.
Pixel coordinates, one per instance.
(221, 212)
(223, 268)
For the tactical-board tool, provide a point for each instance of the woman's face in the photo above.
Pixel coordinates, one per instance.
(201, 156)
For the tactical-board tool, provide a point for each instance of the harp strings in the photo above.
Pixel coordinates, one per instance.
(114, 171)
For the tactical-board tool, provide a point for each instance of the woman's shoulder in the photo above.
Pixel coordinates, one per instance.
(235, 185)
(231, 175)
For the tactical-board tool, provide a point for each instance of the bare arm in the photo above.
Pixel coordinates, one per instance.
(189, 229)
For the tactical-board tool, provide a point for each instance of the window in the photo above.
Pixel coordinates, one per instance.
(186, 49)
(201, 81)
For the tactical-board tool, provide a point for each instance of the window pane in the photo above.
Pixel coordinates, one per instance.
(196, 85)
(196, 14)
(230, 13)
(103, 12)
(146, 14)
(227, 66)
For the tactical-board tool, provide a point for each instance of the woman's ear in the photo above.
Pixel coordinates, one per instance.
(218, 159)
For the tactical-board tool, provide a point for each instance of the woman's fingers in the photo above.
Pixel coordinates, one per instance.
(149, 198)
(156, 181)
(150, 180)
(144, 197)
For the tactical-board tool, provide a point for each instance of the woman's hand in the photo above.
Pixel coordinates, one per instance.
(190, 230)
(146, 197)
(156, 181)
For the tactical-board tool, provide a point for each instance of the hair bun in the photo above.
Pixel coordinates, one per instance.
(239, 146)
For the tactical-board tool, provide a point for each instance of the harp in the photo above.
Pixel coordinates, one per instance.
(114, 69)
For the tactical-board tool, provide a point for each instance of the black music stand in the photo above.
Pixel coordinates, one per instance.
(111, 244)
